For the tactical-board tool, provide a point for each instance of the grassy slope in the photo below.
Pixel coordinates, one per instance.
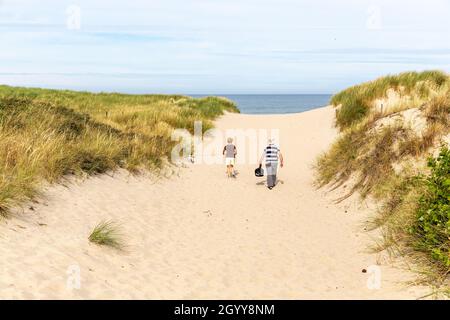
(366, 153)
(356, 101)
(45, 134)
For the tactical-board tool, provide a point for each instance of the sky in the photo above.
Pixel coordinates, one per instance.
(218, 46)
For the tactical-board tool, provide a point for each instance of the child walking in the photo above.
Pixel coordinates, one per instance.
(230, 152)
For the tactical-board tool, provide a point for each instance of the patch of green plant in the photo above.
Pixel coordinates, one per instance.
(106, 233)
(433, 215)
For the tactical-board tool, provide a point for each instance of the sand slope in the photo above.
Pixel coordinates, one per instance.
(201, 235)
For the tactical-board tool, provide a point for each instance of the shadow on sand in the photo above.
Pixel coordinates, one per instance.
(262, 183)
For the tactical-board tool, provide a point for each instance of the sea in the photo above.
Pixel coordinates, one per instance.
(276, 103)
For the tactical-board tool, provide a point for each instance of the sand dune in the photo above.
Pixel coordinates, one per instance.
(201, 235)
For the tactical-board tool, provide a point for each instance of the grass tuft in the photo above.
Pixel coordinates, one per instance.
(106, 234)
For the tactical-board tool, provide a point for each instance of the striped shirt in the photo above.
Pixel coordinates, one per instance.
(271, 153)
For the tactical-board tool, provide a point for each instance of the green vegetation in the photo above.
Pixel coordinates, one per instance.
(356, 102)
(433, 215)
(46, 134)
(382, 154)
(106, 234)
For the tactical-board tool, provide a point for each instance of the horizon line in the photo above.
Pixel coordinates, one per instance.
(163, 92)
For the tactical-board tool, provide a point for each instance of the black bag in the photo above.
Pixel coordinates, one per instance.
(259, 172)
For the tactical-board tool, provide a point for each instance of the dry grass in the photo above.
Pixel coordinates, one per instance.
(356, 102)
(438, 109)
(46, 134)
(364, 154)
(367, 151)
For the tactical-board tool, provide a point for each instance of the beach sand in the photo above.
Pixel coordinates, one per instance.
(200, 235)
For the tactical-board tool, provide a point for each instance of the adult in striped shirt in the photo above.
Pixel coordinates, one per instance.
(272, 155)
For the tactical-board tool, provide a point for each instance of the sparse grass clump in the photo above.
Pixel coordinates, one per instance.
(106, 233)
(46, 134)
(366, 155)
(432, 226)
(438, 110)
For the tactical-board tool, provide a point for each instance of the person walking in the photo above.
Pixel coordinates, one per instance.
(272, 155)
(230, 152)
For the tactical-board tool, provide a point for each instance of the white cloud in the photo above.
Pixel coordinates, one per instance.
(219, 45)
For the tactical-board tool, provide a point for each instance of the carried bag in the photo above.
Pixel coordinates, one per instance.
(259, 172)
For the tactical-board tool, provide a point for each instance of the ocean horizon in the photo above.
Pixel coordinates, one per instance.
(275, 103)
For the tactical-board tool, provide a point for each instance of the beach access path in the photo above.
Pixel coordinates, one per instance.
(199, 235)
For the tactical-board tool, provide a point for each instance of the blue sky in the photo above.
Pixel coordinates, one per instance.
(218, 46)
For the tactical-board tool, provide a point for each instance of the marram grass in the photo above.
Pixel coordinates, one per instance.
(46, 134)
(107, 233)
(355, 102)
(384, 162)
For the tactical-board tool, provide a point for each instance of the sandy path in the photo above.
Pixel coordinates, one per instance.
(201, 235)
